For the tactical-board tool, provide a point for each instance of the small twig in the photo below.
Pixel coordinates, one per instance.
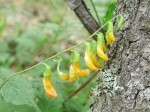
(96, 13)
(83, 85)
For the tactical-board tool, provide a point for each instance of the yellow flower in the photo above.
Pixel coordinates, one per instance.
(95, 61)
(101, 42)
(72, 76)
(76, 66)
(101, 54)
(101, 47)
(78, 71)
(94, 54)
(63, 76)
(110, 38)
(88, 57)
(49, 88)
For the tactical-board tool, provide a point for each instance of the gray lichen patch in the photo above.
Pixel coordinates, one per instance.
(126, 87)
(143, 99)
(108, 86)
(108, 82)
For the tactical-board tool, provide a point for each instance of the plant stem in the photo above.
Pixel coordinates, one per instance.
(56, 55)
(96, 13)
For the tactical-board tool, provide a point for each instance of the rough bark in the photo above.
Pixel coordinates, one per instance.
(124, 84)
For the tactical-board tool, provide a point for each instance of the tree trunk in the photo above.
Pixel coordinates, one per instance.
(124, 84)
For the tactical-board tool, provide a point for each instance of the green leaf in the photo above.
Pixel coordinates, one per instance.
(109, 14)
(47, 104)
(19, 91)
(73, 105)
(7, 107)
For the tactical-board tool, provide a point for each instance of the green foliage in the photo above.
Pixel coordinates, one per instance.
(3, 23)
(31, 31)
(8, 107)
(109, 13)
(19, 93)
(105, 9)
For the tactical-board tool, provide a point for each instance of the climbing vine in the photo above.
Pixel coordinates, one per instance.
(95, 57)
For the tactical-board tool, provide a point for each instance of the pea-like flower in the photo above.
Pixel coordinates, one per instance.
(101, 47)
(72, 75)
(110, 38)
(76, 66)
(89, 57)
(97, 62)
(47, 82)
(63, 76)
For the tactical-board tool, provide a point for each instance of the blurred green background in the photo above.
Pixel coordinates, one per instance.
(31, 31)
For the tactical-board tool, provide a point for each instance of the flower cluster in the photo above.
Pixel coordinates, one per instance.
(95, 57)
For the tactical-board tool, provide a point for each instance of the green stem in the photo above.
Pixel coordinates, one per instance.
(96, 13)
(56, 55)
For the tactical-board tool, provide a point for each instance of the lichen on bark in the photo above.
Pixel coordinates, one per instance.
(129, 61)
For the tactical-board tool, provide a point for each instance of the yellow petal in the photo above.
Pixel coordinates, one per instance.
(101, 42)
(95, 61)
(49, 88)
(88, 61)
(71, 74)
(110, 38)
(101, 54)
(78, 71)
(83, 72)
(105, 48)
(63, 76)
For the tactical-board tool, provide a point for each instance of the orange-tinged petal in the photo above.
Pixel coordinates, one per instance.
(76, 66)
(71, 78)
(83, 72)
(78, 71)
(63, 76)
(49, 88)
(101, 54)
(88, 61)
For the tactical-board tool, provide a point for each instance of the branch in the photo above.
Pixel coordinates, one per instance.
(81, 10)
(83, 85)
